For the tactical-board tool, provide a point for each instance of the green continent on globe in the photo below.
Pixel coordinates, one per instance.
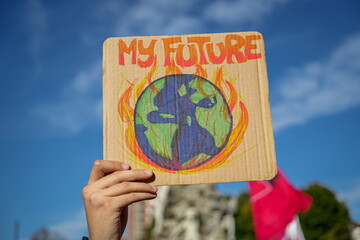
(182, 121)
(216, 119)
(158, 135)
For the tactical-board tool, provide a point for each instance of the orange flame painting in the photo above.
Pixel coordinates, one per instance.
(182, 123)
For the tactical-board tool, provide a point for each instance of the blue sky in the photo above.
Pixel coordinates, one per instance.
(50, 99)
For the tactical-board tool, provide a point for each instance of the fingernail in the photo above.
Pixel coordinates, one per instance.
(125, 166)
(148, 171)
(154, 188)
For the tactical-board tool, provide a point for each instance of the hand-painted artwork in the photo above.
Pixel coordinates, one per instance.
(182, 121)
(179, 105)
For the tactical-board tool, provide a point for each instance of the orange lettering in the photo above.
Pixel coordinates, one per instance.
(200, 42)
(234, 49)
(249, 46)
(168, 49)
(124, 49)
(213, 58)
(147, 51)
(180, 56)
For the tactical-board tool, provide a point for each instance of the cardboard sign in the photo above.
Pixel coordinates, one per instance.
(193, 108)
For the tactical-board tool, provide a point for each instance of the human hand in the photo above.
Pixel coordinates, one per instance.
(112, 186)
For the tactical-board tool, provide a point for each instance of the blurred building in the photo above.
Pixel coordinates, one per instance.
(46, 234)
(191, 212)
(140, 219)
(355, 232)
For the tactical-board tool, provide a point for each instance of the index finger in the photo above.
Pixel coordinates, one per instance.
(102, 167)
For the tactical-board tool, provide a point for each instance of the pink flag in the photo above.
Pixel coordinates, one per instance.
(275, 203)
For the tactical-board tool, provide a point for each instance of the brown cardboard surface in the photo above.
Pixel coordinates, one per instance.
(193, 108)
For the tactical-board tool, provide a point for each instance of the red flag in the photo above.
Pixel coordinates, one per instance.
(275, 203)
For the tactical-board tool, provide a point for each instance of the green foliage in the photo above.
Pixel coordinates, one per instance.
(327, 218)
(243, 219)
(148, 231)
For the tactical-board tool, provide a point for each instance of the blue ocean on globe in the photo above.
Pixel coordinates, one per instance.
(182, 121)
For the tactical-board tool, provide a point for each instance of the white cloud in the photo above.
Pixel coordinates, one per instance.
(183, 24)
(159, 17)
(36, 15)
(73, 227)
(352, 195)
(77, 107)
(243, 11)
(85, 81)
(178, 17)
(69, 116)
(319, 88)
(36, 21)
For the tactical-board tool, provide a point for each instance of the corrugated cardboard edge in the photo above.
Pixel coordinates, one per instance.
(266, 110)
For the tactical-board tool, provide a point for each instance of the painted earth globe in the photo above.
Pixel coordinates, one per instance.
(182, 121)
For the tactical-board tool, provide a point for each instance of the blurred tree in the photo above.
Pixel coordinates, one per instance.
(46, 234)
(243, 219)
(148, 231)
(327, 218)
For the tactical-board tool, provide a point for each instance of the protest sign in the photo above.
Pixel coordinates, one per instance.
(193, 108)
